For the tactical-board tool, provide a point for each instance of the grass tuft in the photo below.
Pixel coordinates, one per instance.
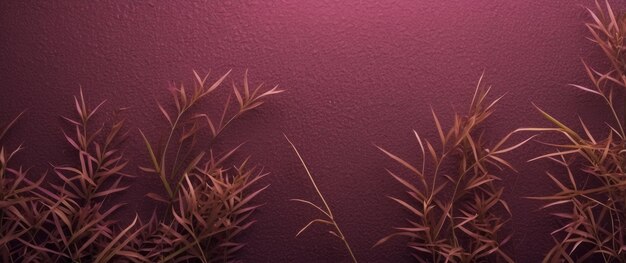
(592, 184)
(457, 216)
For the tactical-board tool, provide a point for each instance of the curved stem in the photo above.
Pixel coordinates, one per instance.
(162, 172)
(319, 193)
(311, 178)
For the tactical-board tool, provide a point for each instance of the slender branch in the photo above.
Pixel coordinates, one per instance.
(319, 193)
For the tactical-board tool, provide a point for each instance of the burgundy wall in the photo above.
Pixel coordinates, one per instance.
(356, 73)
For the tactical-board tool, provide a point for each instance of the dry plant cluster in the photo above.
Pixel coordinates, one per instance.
(466, 225)
(454, 196)
(209, 201)
(591, 200)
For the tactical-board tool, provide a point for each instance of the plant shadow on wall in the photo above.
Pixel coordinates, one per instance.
(456, 205)
(209, 202)
(592, 186)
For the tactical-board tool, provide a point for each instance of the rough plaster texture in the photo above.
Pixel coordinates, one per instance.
(357, 73)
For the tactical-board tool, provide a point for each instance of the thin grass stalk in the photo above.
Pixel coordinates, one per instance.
(326, 211)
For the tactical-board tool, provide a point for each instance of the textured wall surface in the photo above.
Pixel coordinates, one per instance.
(357, 73)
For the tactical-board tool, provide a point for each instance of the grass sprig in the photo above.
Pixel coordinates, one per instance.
(329, 218)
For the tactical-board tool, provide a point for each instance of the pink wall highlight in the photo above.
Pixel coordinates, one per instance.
(356, 73)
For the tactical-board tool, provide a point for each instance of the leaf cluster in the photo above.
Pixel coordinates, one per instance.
(457, 216)
(592, 187)
(209, 202)
(71, 218)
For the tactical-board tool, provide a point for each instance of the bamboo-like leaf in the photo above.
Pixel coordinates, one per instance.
(117, 244)
(387, 238)
(514, 147)
(165, 114)
(442, 137)
(401, 161)
(559, 153)
(7, 127)
(311, 204)
(201, 81)
(321, 221)
(586, 89)
(217, 83)
(408, 185)
(155, 162)
(407, 206)
(558, 124)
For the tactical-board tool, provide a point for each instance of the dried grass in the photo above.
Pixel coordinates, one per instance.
(328, 218)
(592, 187)
(210, 202)
(458, 216)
